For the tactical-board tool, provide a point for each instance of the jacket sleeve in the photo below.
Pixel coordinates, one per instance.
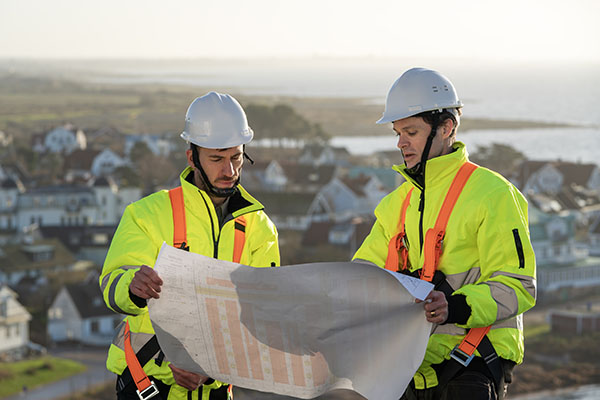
(264, 243)
(374, 248)
(507, 284)
(131, 247)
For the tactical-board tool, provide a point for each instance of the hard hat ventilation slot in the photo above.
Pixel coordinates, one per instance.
(435, 89)
(445, 88)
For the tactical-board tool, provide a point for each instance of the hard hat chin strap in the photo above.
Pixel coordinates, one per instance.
(418, 171)
(215, 191)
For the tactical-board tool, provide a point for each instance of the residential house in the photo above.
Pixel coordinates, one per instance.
(14, 325)
(78, 313)
(9, 194)
(306, 178)
(318, 155)
(102, 203)
(389, 178)
(78, 165)
(34, 259)
(106, 162)
(345, 198)
(594, 237)
(63, 139)
(160, 145)
(347, 235)
(552, 176)
(287, 210)
(553, 238)
(84, 242)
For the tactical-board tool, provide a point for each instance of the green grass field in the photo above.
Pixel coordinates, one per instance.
(15, 375)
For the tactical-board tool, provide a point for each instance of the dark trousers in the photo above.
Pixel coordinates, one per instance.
(129, 392)
(472, 383)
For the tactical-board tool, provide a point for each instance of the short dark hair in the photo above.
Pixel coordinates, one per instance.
(436, 118)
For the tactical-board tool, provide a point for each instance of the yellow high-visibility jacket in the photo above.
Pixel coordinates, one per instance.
(145, 225)
(487, 253)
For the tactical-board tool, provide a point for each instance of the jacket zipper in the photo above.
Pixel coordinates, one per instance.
(519, 246)
(421, 208)
(212, 226)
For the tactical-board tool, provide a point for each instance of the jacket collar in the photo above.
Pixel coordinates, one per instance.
(240, 203)
(439, 169)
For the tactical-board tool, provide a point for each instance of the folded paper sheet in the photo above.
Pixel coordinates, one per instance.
(301, 331)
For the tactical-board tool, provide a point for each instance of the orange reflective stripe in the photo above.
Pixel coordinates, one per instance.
(435, 237)
(145, 387)
(239, 239)
(472, 339)
(396, 246)
(178, 207)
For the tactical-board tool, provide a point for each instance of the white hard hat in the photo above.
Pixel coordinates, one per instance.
(216, 121)
(419, 90)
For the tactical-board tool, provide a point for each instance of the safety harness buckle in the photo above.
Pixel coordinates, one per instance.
(461, 357)
(148, 393)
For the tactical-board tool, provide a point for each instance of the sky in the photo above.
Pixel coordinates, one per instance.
(508, 30)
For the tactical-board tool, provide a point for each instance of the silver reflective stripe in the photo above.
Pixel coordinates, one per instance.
(452, 329)
(107, 277)
(528, 282)
(111, 296)
(506, 299)
(138, 339)
(463, 278)
(104, 282)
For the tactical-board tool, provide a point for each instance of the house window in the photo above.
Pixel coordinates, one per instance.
(94, 327)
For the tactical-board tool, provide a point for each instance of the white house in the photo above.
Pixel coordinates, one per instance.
(9, 194)
(160, 145)
(344, 198)
(552, 176)
(69, 205)
(14, 324)
(106, 162)
(553, 238)
(34, 259)
(78, 313)
(63, 139)
(316, 154)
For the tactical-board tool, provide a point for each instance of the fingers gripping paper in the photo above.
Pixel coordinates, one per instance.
(302, 331)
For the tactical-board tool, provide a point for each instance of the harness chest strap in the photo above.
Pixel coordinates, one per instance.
(433, 250)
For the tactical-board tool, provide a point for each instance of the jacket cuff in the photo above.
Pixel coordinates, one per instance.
(137, 300)
(458, 310)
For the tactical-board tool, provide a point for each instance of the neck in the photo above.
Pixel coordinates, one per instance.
(217, 201)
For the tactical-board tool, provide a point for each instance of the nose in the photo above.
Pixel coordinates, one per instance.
(228, 169)
(402, 142)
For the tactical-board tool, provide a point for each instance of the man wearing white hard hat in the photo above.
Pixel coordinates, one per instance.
(209, 214)
(465, 229)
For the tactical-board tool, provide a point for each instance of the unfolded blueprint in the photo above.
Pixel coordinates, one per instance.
(304, 331)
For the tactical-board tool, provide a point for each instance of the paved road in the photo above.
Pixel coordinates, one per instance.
(94, 358)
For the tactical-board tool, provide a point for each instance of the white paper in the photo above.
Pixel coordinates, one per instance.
(302, 331)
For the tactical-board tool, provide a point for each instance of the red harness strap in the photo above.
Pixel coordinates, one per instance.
(146, 388)
(434, 239)
(397, 250)
(178, 207)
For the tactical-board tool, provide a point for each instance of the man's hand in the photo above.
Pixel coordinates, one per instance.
(188, 380)
(146, 283)
(436, 307)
